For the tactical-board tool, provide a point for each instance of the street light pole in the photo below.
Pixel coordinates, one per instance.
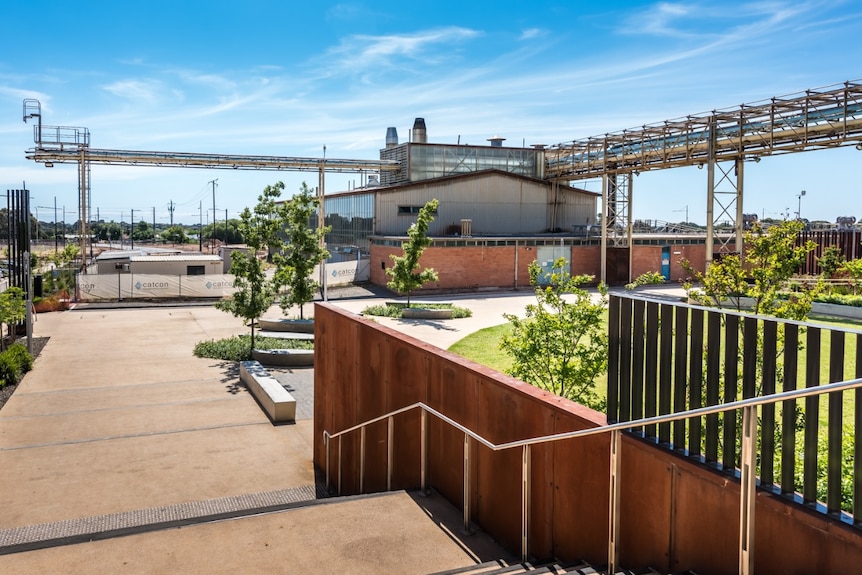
(799, 207)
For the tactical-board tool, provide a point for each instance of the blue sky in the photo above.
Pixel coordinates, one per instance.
(287, 78)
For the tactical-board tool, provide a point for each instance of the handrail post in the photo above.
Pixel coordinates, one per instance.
(466, 483)
(423, 451)
(362, 460)
(390, 434)
(326, 466)
(748, 471)
(525, 503)
(614, 502)
(340, 441)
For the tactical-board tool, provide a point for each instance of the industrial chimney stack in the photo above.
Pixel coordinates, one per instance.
(420, 136)
(391, 137)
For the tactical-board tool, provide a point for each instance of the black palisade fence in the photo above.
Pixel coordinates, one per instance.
(670, 357)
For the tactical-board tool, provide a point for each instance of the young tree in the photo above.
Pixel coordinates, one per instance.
(404, 280)
(13, 310)
(176, 235)
(560, 345)
(255, 292)
(303, 249)
(772, 258)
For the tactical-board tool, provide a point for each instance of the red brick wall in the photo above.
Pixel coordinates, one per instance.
(480, 266)
(463, 267)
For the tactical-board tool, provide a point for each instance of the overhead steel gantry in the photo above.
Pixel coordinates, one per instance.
(67, 145)
(722, 140)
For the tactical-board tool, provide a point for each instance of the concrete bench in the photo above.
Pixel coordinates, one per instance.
(276, 401)
(284, 357)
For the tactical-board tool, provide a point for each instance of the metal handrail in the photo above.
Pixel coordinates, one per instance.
(748, 459)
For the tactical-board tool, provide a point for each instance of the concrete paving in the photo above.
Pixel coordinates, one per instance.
(119, 425)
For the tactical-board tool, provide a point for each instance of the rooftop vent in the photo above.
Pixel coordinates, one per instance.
(391, 137)
(420, 135)
(496, 141)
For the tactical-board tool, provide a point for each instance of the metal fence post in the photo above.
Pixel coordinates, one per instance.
(748, 472)
(390, 434)
(362, 460)
(525, 503)
(614, 502)
(423, 451)
(466, 483)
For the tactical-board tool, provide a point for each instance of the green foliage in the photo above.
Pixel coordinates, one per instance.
(384, 310)
(14, 363)
(649, 278)
(302, 251)
(837, 298)
(22, 358)
(559, 345)
(8, 371)
(404, 280)
(853, 269)
(143, 231)
(13, 309)
(831, 261)
(238, 348)
(175, 235)
(772, 257)
(255, 292)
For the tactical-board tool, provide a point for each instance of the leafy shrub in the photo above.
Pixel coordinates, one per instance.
(22, 358)
(851, 300)
(8, 371)
(649, 278)
(238, 348)
(14, 363)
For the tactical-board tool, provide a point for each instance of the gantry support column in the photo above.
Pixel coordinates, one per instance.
(321, 220)
(724, 218)
(616, 217)
(83, 185)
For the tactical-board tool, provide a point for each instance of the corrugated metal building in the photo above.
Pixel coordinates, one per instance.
(495, 202)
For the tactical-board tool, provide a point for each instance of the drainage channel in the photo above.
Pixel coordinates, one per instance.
(84, 529)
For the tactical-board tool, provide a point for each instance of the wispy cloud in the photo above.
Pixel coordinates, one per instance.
(360, 53)
(135, 90)
(531, 33)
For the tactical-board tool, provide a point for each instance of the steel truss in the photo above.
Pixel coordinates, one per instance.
(822, 118)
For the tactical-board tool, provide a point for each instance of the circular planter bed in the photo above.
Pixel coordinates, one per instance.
(284, 357)
(423, 313)
(287, 325)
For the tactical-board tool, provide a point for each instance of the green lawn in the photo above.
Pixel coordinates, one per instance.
(484, 347)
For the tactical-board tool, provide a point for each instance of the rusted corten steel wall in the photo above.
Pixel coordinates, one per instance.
(676, 515)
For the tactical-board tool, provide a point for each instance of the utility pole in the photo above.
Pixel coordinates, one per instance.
(154, 225)
(55, 224)
(171, 207)
(212, 235)
(201, 226)
(225, 227)
(132, 229)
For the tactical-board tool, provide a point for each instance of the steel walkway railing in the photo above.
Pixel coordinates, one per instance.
(748, 461)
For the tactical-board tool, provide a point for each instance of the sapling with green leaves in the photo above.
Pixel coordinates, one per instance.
(303, 249)
(255, 291)
(404, 277)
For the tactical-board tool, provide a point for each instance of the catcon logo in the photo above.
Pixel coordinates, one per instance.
(87, 288)
(219, 285)
(151, 285)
